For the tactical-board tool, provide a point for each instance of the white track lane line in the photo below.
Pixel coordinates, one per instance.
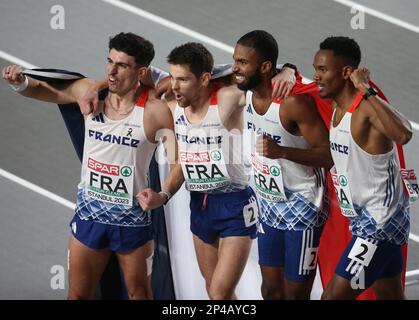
(37, 189)
(16, 60)
(412, 273)
(188, 32)
(163, 22)
(379, 15)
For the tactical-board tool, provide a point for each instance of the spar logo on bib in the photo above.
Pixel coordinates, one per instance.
(216, 155)
(268, 179)
(343, 181)
(109, 182)
(126, 171)
(204, 170)
(275, 171)
(343, 193)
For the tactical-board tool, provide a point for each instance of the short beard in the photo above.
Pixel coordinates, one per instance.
(254, 80)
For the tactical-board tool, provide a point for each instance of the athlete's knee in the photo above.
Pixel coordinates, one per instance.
(327, 294)
(74, 295)
(138, 293)
(207, 286)
(298, 295)
(298, 290)
(220, 293)
(271, 292)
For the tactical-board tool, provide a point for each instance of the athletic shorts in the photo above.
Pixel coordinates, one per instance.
(295, 251)
(223, 215)
(98, 235)
(366, 260)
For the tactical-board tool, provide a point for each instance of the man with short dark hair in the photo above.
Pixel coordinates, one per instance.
(208, 125)
(363, 136)
(120, 139)
(289, 149)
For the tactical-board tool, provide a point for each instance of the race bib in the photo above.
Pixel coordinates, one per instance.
(250, 212)
(310, 259)
(109, 183)
(268, 179)
(341, 184)
(409, 179)
(362, 251)
(204, 170)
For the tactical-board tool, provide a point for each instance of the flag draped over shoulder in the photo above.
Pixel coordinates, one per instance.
(111, 284)
(336, 234)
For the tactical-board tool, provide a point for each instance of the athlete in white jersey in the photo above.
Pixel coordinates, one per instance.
(363, 136)
(208, 123)
(119, 142)
(289, 148)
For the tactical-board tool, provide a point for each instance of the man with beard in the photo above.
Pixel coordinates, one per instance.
(208, 126)
(367, 176)
(289, 148)
(120, 140)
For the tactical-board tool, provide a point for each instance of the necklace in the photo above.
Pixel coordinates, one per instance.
(117, 110)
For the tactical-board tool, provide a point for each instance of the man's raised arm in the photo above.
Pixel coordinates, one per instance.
(56, 93)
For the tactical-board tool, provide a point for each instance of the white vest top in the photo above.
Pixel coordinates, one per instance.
(115, 168)
(210, 155)
(369, 187)
(291, 194)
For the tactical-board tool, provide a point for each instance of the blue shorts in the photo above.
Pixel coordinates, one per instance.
(224, 215)
(365, 261)
(295, 251)
(98, 235)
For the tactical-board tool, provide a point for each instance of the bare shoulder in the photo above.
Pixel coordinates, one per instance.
(299, 107)
(158, 113)
(299, 103)
(156, 107)
(230, 97)
(229, 91)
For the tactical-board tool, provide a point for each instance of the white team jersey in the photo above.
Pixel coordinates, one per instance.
(291, 195)
(115, 168)
(211, 156)
(369, 187)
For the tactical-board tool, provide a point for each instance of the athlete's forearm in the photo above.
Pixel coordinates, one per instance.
(43, 91)
(396, 126)
(100, 84)
(174, 180)
(313, 157)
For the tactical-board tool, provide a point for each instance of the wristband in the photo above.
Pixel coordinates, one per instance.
(167, 194)
(290, 65)
(21, 87)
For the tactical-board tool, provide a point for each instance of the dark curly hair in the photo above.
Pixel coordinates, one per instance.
(264, 44)
(344, 47)
(135, 46)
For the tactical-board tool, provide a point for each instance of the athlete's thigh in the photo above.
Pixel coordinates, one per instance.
(232, 257)
(207, 256)
(86, 266)
(134, 267)
(389, 288)
(340, 288)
